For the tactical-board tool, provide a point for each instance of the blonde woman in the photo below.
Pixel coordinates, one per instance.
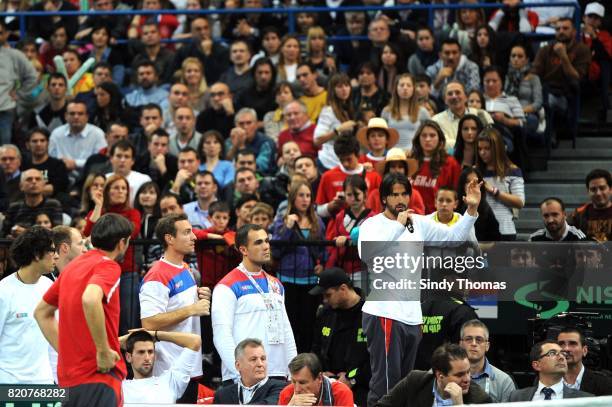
(317, 55)
(404, 113)
(192, 75)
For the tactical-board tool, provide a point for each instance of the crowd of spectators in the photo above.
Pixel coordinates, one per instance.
(241, 122)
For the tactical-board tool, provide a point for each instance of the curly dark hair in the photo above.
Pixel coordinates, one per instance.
(31, 246)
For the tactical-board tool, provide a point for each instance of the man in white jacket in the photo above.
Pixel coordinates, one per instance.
(393, 327)
(248, 302)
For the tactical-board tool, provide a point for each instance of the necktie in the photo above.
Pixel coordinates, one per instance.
(548, 392)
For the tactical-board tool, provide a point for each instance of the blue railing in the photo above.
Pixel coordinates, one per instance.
(292, 11)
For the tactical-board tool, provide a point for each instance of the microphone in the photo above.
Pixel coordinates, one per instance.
(409, 226)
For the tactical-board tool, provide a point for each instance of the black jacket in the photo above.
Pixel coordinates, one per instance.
(442, 320)
(340, 344)
(143, 165)
(214, 64)
(265, 395)
(527, 394)
(596, 382)
(415, 390)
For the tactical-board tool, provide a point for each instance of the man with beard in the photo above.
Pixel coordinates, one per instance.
(561, 66)
(578, 377)
(140, 353)
(595, 217)
(170, 298)
(260, 95)
(147, 90)
(555, 228)
(86, 338)
(548, 360)
(393, 327)
(248, 302)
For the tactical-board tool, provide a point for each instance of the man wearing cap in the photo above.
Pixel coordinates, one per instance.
(339, 341)
(377, 139)
(599, 42)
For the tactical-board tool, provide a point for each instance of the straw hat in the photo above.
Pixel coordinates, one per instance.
(378, 123)
(397, 154)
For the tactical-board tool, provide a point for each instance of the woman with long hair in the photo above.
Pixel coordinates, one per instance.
(392, 64)
(115, 198)
(192, 75)
(467, 20)
(344, 227)
(103, 51)
(317, 55)
(470, 127)
(435, 167)
(486, 226)
(504, 182)
(298, 266)
(483, 47)
(274, 122)
(525, 85)
(94, 183)
(146, 202)
(404, 113)
(290, 57)
(337, 117)
(211, 158)
(107, 108)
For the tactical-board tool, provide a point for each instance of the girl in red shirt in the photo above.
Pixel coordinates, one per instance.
(436, 168)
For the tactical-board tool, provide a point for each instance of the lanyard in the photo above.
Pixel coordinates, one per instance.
(267, 298)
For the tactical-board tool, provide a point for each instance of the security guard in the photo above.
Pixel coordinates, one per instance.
(338, 338)
(443, 316)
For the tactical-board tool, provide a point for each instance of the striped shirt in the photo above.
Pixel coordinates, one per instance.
(512, 183)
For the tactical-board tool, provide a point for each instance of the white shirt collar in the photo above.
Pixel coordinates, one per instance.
(557, 388)
(576, 385)
(356, 171)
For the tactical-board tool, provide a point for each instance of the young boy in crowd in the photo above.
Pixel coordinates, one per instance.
(216, 261)
(262, 215)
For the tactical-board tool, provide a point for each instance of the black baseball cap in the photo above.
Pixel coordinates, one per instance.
(331, 277)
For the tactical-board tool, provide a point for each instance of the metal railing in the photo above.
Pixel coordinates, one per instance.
(291, 12)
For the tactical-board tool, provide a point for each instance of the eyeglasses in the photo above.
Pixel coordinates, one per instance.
(215, 94)
(479, 339)
(553, 353)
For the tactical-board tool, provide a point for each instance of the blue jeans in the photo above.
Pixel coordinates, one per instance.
(6, 126)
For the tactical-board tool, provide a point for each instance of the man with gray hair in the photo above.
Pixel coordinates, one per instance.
(254, 386)
(245, 134)
(299, 129)
(495, 382)
(22, 214)
(10, 161)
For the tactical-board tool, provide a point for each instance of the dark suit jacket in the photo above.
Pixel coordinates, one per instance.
(527, 394)
(415, 390)
(596, 383)
(265, 395)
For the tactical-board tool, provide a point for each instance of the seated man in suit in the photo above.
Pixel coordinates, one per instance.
(254, 386)
(449, 378)
(578, 377)
(548, 359)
